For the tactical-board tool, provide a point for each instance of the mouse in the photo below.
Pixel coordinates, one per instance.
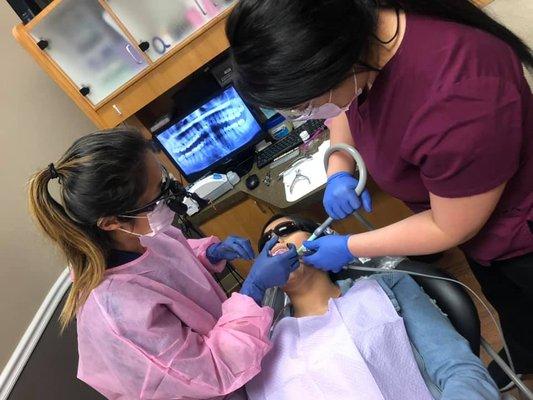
(252, 182)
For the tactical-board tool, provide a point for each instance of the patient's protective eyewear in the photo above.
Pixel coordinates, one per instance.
(283, 229)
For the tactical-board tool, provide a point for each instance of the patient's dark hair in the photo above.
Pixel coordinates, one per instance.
(307, 224)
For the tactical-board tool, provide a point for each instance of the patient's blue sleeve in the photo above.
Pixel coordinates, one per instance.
(447, 357)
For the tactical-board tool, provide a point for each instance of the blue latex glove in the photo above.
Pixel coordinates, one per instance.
(329, 253)
(340, 199)
(230, 249)
(269, 271)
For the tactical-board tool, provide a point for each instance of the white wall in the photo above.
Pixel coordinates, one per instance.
(37, 123)
(517, 15)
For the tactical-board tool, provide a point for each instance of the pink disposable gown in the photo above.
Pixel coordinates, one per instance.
(160, 327)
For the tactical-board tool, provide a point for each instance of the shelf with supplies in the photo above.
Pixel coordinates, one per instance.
(113, 57)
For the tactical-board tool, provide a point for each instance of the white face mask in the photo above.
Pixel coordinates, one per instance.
(329, 109)
(159, 219)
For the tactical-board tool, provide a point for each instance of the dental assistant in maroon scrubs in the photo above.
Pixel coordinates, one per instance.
(433, 95)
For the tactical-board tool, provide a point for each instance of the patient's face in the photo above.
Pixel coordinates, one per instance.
(297, 238)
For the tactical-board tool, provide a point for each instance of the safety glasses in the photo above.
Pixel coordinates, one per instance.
(165, 195)
(296, 114)
(305, 112)
(283, 229)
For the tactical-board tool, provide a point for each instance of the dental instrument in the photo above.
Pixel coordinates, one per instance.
(361, 167)
(297, 178)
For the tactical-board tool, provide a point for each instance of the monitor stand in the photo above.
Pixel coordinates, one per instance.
(241, 163)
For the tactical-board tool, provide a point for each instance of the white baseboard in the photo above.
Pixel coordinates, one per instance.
(33, 333)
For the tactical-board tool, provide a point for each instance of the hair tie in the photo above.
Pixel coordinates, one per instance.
(53, 171)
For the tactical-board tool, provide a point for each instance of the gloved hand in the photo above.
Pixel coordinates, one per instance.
(269, 271)
(329, 253)
(230, 249)
(340, 199)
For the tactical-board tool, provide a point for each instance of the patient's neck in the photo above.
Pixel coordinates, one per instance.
(312, 293)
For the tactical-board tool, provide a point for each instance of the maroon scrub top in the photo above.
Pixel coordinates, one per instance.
(451, 113)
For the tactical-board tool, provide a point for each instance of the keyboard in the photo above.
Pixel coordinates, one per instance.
(289, 142)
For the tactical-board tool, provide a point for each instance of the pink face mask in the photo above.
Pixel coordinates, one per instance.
(329, 109)
(159, 219)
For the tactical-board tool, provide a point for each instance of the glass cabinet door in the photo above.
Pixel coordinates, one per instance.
(87, 44)
(160, 25)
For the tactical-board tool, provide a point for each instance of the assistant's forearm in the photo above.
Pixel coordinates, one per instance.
(340, 133)
(339, 162)
(415, 235)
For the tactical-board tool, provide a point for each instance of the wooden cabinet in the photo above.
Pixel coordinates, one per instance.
(89, 46)
(159, 26)
(168, 72)
(245, 219)
(104, 53)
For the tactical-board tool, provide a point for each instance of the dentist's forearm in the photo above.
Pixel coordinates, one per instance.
(415, 235)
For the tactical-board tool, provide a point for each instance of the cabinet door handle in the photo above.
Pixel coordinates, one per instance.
(132, 53)
(144, 45)
(115, 107)
(85, 90)
(200, 7)
(42, 44)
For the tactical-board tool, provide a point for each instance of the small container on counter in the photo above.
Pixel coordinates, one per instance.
(278, 126)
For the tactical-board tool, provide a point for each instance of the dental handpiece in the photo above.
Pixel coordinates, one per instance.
(317, 233)
(361, 167)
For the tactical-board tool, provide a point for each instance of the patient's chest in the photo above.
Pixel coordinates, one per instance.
(357, 350)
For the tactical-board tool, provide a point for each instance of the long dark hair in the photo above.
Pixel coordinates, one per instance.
(101, 174)
(286, 52)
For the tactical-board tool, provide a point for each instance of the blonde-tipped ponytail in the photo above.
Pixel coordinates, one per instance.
(84, 175)
(85, 258)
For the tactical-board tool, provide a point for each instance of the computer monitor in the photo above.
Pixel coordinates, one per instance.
(211, 136)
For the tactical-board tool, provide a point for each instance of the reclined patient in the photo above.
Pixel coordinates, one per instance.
(375, 338)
